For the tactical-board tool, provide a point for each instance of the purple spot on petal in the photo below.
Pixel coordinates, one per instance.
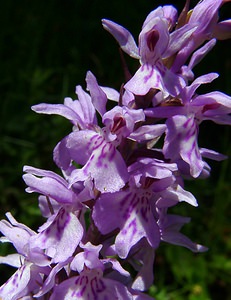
(22, 270)
(152, 39)
(112, 153)
(64, 220)
(147, 77)
(77, 280)
(185, 125)
(48, 229)
(15, 279)
(145, 212)
(95, 142)
(210, 106)
(131, 206)
(124, 232)
(82, 282)
(99, 163)
(119, 122)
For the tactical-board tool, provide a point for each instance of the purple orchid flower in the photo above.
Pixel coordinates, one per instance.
(91, 282)
(25, 280)
(119, 177)
(131, 210)
(155, 45)
(120, 121)
(183, 121)
(101, 161)
(31, 262)
(20, 236)
(89, 145)
(205, 17)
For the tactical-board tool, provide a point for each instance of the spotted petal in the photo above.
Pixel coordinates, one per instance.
(102, 161)
(181, 142)
(131, 212)
(59, 236)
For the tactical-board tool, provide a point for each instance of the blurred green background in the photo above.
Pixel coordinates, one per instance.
(46, 48)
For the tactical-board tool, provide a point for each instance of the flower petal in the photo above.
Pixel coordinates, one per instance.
(123, 37)
(61, 238)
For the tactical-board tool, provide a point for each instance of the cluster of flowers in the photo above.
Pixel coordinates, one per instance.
(122, 167)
